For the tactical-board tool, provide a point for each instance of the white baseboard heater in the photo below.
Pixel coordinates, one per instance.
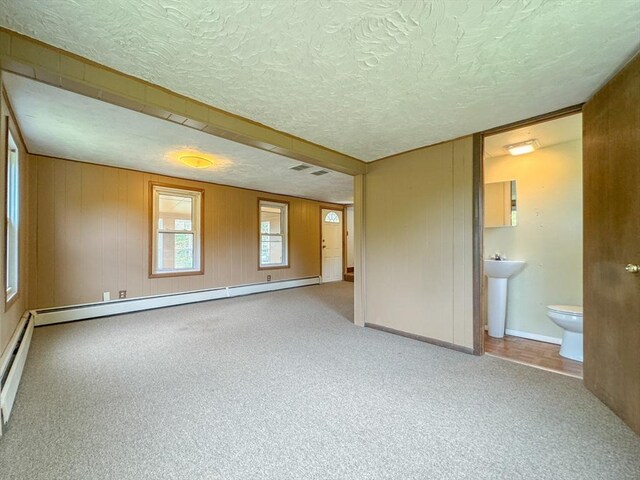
(102, 309)
(12, 364)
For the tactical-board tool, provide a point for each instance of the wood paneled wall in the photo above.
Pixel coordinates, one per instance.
(9, 319)
(90, 234)
(418, 238)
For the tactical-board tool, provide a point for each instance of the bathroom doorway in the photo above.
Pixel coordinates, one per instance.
(532, 239)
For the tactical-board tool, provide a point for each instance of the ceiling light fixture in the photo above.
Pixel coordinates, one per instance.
(523, 147)
(196, 161)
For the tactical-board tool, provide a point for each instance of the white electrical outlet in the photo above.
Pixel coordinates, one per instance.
(106, 296)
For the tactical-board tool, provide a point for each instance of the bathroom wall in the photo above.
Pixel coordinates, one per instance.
(548, 236)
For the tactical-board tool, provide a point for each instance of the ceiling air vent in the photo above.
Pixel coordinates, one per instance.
(300, 167)
(319, 172)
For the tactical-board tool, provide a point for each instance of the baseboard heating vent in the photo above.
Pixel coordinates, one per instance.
(50, 316)
(12, 364)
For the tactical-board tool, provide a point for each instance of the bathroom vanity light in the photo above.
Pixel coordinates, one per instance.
(523, 147)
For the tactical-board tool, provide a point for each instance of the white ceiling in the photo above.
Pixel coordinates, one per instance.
(547, 133)
(368, 78)
(60, 123)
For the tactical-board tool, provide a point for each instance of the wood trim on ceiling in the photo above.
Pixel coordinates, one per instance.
(40, 61)
(545, 117)
(388, 157)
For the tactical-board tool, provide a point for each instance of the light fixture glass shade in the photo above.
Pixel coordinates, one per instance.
(196, 161)
(523, 147)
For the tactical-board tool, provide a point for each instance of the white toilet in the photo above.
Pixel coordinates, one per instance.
(568, 317)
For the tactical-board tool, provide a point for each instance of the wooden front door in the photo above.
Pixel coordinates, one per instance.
(611, 122)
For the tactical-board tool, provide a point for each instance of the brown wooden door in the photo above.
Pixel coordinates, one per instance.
(611, 122)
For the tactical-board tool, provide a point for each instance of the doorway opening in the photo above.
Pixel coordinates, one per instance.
(332, 245)
(532, 239)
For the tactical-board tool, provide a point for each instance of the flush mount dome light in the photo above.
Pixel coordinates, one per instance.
(196, 161)
(523, 147)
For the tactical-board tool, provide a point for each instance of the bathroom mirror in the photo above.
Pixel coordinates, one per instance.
(500, 204)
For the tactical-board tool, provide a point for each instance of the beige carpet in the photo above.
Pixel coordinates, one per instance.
(283, 386)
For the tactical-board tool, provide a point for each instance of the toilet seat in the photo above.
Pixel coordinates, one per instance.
(567, 309)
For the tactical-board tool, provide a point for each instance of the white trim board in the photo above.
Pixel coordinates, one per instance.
(519, 362)
(531, 336)
(16, 362)
(534, 336)
(115, 307)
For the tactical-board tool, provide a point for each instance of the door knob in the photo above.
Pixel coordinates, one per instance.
(631, 268)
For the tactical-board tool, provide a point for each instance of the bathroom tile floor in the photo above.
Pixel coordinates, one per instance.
(533, 353)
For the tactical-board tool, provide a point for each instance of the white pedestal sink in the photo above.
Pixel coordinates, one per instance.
(498, 272)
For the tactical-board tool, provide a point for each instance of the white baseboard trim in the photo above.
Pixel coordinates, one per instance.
(115, 307)
(13, 359)
(531, 336)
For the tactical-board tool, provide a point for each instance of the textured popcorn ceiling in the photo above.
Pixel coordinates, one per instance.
(63, 124)
(365, 77)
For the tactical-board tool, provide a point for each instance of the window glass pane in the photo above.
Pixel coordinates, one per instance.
(270, 219)
(175, 251)
(332, 217)
(271, 250)
(181, 224)
(273, 234)
(174, 212)
(12, 219)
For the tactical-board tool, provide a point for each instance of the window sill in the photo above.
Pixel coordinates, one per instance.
(273, 267)
(176, 274)
(10, 301)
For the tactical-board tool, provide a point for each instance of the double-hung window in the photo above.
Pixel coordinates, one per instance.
(12, 219)
(176, 237)
(274, 241)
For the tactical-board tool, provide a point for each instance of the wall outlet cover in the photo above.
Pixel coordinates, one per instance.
(122, 294)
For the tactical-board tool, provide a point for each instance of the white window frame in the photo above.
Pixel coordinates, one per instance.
(284, 233)
(12, 215)
(197, 216)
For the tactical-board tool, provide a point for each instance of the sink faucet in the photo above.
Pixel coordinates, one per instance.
(498, 256)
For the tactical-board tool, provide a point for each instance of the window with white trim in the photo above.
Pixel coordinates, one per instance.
(177, 231)
(273, 234)
(13, 218)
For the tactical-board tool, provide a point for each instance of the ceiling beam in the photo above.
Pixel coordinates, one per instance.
(31, 58)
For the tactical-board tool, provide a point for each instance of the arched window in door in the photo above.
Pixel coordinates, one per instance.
(332, 217)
